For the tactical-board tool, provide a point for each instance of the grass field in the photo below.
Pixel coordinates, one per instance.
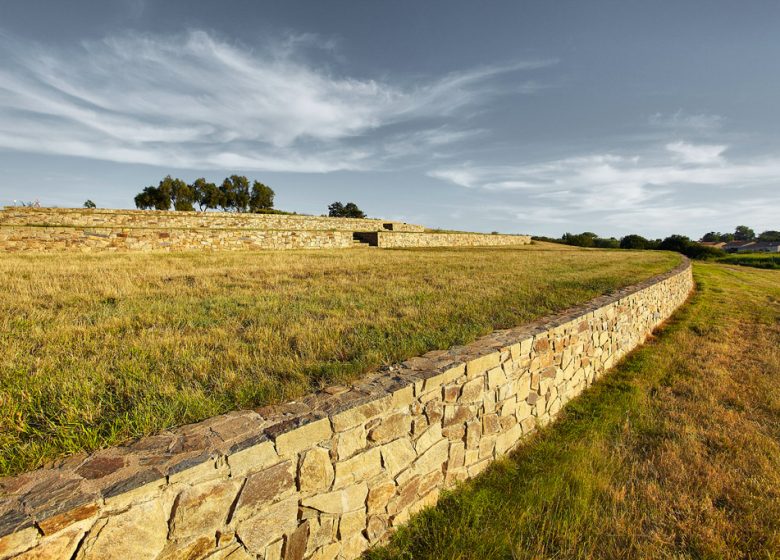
(756, 260)
(673, 455)
(98, 349)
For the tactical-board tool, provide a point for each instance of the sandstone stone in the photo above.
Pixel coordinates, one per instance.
(457, 414)
(455, 432)
(430, 481)
(490, 424)
(354, 547)
(177, 550)
(329, 552)
(274, 550)
(429, 500)
(265, 487)
(19, 541)
(341, 501)
(61, 545)
(451, 393)
(402, 398)
(322, 531)
(58, 522)
(507, 440)
(495, 378)
(350, 442)
(316, 470)
(202, 509)
(432, 435)
(252, 459)
(379, 496)
(360, 467)
(457, 455)
(352, 523)
(395, 426)
(295, 547)
(433, 458)
(472, 390)
(139, 533)
(480, 365)
(407, 494)
(473, 434)
(434, 411)
(434, 383)
(302, 438)
(360, 414)
(486, 446)
(210, 469)
(376, 527)
(397, 455)
(233, 552)
(269, 524)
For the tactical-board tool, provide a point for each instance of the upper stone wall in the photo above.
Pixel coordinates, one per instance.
(329, 475)
(157, 219)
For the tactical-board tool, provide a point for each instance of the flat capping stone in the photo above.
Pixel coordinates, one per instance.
(28, 498)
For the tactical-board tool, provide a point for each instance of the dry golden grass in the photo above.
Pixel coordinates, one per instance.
(97, 349)
(673, 455)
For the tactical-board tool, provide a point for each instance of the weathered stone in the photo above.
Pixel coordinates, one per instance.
(451, 393)
(407, 494)
(457, 455)
(302, 438)
(454, 432)
(507, 440)
(61, 545)
(490, 424)
(17, 542)
(99, 466)
(58, 522)
(360, 414)
(347, 499)
(379, 496)
(393, 427)
(496, 377)
(457, 414)
(295, 547)
(472, 391)
(360, 467)
(434, 411)
(202, 509)
(354, 547)
(265, 487)
(316, 470)
(252, 459)
(350, 442)
(269, 524)
(352, 523)
(429, 437)
(139, 533)
(329, 552)
(433, 458)
(480, 365)
(376, 527)
(233, 552)
(473, 434)
(397, 455)
(274, 550)
(178, 550)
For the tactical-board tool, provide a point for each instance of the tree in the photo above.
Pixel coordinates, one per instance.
(235, 193)
(634, 241)
(89, 204)
(584, 239)
(262, 197)
(348, 210)
(744, 233)
(153, 198)
(769, 235)
(207, 195)
(179, 192)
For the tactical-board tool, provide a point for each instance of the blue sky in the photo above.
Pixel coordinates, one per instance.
(539, 117)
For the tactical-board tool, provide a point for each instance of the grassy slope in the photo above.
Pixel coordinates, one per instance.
(97, 349)
(757, 260)
(676, 454)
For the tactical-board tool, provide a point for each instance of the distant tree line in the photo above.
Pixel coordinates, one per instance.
(233, 195)
(678, 243)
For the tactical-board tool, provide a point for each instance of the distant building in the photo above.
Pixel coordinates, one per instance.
(751, 246)
(716, 244)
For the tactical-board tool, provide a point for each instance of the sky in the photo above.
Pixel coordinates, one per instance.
(615, 117)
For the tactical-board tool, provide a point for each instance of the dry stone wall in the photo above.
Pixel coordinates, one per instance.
(153, 219)
(56, 238)
(330, 475)
(394, 239)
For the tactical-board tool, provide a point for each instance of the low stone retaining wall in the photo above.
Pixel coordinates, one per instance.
(156, 219)
(399, 239)
(332, 474)
(44, 239)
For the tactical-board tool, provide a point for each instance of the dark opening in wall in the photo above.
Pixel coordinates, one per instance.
(369, 237)
(388, 226)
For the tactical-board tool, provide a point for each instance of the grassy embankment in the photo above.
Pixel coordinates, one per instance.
(98, 349)
(675, 454)
(756, 260)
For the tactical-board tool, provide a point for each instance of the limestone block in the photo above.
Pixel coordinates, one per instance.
(302, 438)
(139, 533)
(252, 459)
(392, 427)
(202, 509)
(268, 525)
(350, 441)
(341, 501)
(266, 487)
(398, 455)
(316, 470)
(360, 467)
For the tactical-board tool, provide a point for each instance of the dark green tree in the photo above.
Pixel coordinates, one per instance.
(634, 241)
(744, 233)
(235, 193)
(348, 210)
(153, 198)
(262, 197)
(769, 235)
(207, 195)
(89, 204)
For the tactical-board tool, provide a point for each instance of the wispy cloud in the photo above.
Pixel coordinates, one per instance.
(649, 191)
(195, 101)
(681, 120)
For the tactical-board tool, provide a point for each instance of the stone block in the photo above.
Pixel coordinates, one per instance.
(361, 414)
(316, 471)
(139, 533)
(352, 523)
(202, 509)
(268, 524)
(496, 377)
(252, 459)
(392, 427)
(472, 390)
(266, 487)
(341, 501)
(360, 467)
(305, 437)
(430, 436)
(508, 439)
(397, 455)
(379, 496)
(296, 544)
(481, 365)
(350, 442)
(15, 543)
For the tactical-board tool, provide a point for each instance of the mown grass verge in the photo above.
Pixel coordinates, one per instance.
(675, 454)
(98, 349)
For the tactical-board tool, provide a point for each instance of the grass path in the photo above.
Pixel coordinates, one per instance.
(99, 349)
(675, 454)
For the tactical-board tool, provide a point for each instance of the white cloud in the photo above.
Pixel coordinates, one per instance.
(195, 101)
(694, 122)
(696, 153)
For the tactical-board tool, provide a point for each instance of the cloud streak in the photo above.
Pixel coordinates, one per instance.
(194, 101)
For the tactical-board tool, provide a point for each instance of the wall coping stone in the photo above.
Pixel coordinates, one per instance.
(37, 498)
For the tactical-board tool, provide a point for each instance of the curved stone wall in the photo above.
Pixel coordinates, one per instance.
(330, 475)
